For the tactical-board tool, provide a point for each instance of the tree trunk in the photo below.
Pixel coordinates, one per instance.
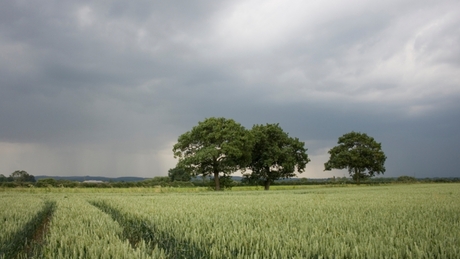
(267, 179)
(267, 185)
(358, 176)
(216, 181)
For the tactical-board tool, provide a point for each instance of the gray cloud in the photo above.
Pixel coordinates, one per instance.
(105, 88)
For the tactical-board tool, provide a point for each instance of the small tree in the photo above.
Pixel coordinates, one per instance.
(275, 155)
(214, 146)
(359, 153)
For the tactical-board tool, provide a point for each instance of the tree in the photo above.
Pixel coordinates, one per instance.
(214, 146)
(275, 155)
(359, 153)
(179, 174)
(22, 176)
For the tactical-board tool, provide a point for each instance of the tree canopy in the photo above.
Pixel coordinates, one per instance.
(275, 155)
(22, 176)
(359, 153)
(214, 146)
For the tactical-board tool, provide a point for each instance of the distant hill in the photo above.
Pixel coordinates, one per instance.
(96, 178)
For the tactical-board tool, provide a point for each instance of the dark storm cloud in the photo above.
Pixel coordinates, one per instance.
(107, 87)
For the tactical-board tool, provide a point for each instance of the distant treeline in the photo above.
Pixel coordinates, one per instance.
(22, 179)
(17, 176)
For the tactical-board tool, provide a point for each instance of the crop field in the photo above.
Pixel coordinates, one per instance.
(389, 221)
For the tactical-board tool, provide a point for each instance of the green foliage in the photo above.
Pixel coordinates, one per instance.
(47, 182)
(215, 146)
(359, 153)
(50, 182)
(158, 179)
(275, 155)
(406, 179)
(155, 181)
(22, 176)
(67, 183)
(179, 174)
(225, 181)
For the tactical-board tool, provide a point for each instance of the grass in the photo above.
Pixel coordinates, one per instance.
(389, 221)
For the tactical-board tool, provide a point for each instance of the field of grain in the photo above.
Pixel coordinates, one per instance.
(390, 221)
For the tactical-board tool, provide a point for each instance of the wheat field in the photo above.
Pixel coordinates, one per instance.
(389, 221)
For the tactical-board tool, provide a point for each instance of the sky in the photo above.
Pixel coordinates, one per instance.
(105, 88)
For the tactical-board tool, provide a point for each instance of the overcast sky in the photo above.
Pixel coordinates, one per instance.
(105, 88)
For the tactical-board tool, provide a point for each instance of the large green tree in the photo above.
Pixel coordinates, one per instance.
(275, 155)
(359, 153)
(215, 146)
